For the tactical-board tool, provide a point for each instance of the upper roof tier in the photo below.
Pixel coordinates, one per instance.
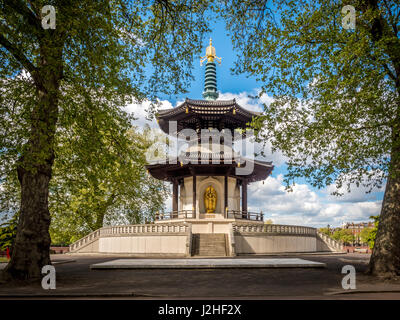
(205, 114)
(201, 164)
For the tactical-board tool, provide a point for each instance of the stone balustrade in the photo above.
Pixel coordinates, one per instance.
(144, 228)
(181, 214)
(274, 229)
(190, 214)
(245, 215)
(332, 243)
(85, 240)
(112, 231)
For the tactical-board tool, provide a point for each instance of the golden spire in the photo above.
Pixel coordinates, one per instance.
(210, 55)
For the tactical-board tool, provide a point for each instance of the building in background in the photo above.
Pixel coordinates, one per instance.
(356, 229)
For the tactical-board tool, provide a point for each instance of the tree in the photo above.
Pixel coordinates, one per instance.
(325, 230)
(371, 236)
(343, 235)
(9, 197)
(95, 57)
(336, 109)
(109, 185)
(365, 235)
(8, 231)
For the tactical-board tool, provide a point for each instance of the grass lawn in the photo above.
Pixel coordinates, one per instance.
(3, 259)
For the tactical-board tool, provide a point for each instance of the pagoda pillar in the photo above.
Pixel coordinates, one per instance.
(226, 197)
(175, 195)
(194, 197)
(244, 198)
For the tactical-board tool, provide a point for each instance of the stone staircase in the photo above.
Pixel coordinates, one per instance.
(204, 244)
(325, 243)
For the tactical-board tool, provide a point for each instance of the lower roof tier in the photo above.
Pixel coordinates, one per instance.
(243, 169)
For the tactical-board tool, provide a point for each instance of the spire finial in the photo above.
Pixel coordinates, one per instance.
(210, 55)
(210, 82)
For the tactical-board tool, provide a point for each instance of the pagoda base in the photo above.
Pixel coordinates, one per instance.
(175, 238)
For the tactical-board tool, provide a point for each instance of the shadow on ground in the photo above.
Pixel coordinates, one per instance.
(75, 279)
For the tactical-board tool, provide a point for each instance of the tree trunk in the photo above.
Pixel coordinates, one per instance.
(385, 259)
(32, 243)
(100, 214)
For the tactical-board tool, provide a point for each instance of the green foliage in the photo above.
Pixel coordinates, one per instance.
(365, 235)
(102, 179)
(107, 50)
(343, 235)
(10, 197)
(368, 235)
(62, 94)
(326, 231)
(8, 232)
(336, 91)
(372, 234)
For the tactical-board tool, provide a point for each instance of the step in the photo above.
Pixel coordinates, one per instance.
(212, 251)
(204, 244)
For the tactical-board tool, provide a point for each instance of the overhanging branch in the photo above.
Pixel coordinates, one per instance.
(28, 15)
(20, 57)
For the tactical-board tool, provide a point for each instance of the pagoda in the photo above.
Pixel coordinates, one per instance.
(209, 180)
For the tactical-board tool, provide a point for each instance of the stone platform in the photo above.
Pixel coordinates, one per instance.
(206, 263)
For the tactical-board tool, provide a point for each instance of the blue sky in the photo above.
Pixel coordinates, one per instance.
(305, 205)
(226, 81)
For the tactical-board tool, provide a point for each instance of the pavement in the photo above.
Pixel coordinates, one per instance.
(75, 279)
(207, 263)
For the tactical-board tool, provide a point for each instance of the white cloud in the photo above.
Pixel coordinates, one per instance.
(356, 194)
(337, 213)
(304, 206)
(244, 100)
(273, 198)
(140, 111)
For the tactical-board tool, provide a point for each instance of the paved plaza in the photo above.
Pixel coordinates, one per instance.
(76, 279)
(207, 263)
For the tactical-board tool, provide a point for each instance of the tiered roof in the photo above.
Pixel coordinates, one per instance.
(181, 168)
(210, 113)
(204, 114)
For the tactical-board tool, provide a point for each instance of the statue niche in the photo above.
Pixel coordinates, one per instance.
(210, 199)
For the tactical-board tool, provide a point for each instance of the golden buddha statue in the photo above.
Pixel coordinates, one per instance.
(210, 199)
